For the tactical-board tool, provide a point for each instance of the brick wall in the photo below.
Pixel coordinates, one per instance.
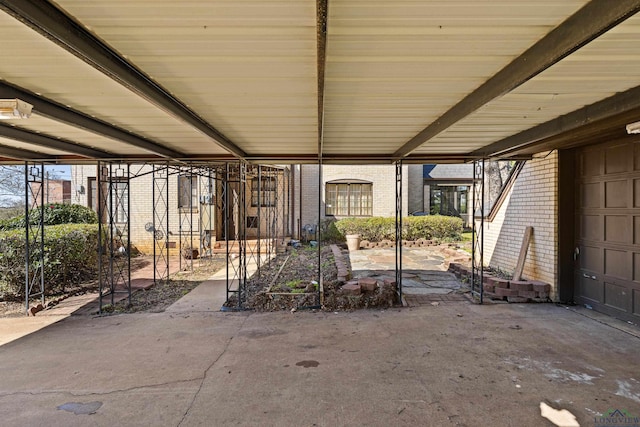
(532, 201)
(141, 209)
(382, 177)
(183, 223)
(55, 191)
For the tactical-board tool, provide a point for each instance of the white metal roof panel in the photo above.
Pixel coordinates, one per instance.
(418, 58)
(247, 67)
(38, 64)
(606, 66)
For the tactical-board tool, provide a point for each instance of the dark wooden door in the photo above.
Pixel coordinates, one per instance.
(607, 248)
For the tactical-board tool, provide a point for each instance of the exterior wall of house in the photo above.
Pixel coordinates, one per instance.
(381, 176)
(531, 201)
(182, 222)
(141, 208)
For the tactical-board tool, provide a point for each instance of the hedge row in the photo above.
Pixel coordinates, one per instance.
(376, 229)
(70, 256)
(54, 214)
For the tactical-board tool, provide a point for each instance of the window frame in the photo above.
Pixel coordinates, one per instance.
(93, 195)
(268, 186)
(193, 205)
(364, 194)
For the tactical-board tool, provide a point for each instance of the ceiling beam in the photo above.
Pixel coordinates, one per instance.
(608, 108)
(587, 24)
(56, 111)
(322, 8)
(18, 154)
(43, 140)
(56, 25)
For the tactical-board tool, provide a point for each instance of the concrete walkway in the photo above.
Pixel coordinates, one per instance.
(465, 365)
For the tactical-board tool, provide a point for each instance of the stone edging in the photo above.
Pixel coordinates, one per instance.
(344, 273)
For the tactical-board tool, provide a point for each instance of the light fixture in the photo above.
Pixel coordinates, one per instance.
(633, 128)
(14, 109)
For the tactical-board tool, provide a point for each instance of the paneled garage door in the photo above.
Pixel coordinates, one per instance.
(607, 274)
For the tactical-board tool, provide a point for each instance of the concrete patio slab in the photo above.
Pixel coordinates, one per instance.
(434, 365)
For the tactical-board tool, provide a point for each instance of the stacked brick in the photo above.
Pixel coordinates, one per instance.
(363, 285)
(341, 264)
(513, 291)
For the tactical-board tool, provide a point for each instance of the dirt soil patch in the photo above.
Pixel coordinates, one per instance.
(290, 282)
(155, 299)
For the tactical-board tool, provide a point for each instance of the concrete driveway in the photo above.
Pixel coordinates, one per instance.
(451, 364)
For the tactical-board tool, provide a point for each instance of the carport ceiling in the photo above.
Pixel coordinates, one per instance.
(302, 81)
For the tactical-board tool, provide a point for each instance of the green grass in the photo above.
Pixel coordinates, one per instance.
(467, 237)
(293, 283)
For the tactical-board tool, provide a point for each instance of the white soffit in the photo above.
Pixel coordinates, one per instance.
(246, 67)
(606, 66)
(395, 67)
(39, 65)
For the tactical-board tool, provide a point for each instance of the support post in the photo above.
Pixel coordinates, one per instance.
(34, 232)
(114, 207)
(399, 228)
(160, 229)
(477, 257)
(319, 232)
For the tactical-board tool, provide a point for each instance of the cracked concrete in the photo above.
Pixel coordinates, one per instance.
(445, 365)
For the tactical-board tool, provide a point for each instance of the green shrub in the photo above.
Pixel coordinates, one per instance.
(376, 229)
(54, 214)
(70, 256)
(329, 233)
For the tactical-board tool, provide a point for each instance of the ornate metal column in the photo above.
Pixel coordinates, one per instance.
(399, 228)
(477, 258)
(34, 232)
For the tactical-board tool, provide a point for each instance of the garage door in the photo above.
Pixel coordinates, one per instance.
(607, 273)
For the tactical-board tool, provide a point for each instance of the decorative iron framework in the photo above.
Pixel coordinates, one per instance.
(114, 236)
(477, 257)
(187, 190)
(399, 228)
(34, 232)
(206, 211)
(160, 224)
(233, 207)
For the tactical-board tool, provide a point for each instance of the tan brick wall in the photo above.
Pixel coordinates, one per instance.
(382, 177)
(183, 224)
(532, 201)
(141, 209)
